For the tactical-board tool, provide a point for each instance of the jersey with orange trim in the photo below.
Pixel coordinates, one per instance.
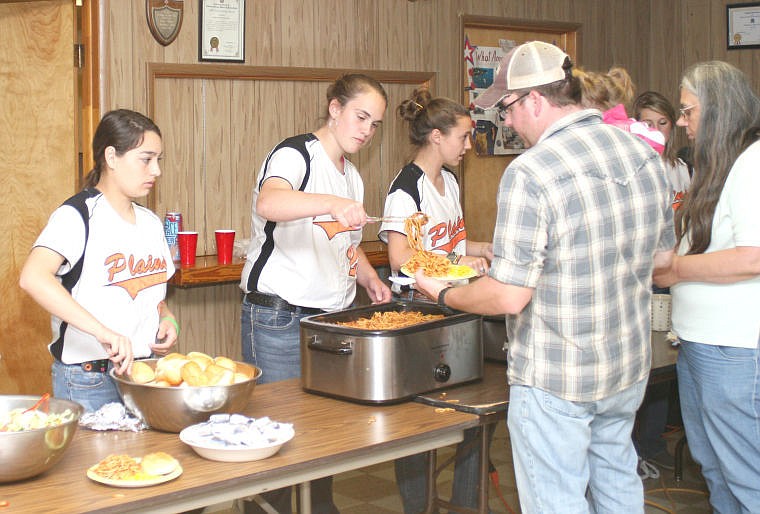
(299, 260)
(126, 267)
(445, 231)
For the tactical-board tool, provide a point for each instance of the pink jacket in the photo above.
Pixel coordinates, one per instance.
(618, 117)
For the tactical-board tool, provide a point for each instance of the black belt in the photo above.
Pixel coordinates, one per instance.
(98, 366)
(277, 303)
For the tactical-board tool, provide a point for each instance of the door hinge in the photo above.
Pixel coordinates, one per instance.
(78, 55)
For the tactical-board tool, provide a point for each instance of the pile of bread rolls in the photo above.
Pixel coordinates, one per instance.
(193, 369)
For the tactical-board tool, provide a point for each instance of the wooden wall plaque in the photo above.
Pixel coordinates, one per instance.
(164, 19)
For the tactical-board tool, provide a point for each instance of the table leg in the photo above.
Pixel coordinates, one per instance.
(484, 465)
(305, 492)
(432, 491)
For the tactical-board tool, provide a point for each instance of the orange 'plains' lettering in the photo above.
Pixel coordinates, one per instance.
(117, 263)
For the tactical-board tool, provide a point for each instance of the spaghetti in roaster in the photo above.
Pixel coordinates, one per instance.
(390, 320)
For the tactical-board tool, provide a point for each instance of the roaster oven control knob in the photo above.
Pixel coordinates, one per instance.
(442, 373)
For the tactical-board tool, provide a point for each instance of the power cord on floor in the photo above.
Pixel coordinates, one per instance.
(667, 492)
(494, 475)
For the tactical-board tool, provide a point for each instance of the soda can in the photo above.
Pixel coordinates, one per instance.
(172, 225)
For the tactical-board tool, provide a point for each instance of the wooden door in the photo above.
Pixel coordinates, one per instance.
(38, 127)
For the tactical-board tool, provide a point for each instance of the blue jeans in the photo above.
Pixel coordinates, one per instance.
(720, 405)
(90, 389)
(575, 457)
(411, 474)
(271, 340)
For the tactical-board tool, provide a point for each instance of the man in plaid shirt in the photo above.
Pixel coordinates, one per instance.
(582, 213)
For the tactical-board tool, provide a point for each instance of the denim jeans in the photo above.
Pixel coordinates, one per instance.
(90, 389)
(720, 405)
(271, 340)
(411, 475)
(563, 450)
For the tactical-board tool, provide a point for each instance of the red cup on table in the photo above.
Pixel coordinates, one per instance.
(225, 240)
(188, 243)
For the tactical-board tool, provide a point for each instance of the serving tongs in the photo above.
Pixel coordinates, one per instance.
(42, 402)
(332, 227)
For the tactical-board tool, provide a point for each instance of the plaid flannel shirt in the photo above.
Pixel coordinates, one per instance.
(580, 216)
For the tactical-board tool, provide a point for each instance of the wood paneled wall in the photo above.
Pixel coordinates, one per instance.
(37, 171)
(654, 39)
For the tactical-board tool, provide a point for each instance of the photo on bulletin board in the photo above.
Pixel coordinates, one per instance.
(489, 135)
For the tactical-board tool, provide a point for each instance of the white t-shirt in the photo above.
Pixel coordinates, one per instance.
(679, 180)
(298, 261)
(126, 267)
(726, 314)
(445, 231)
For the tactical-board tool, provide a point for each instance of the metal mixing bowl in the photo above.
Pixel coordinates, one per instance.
(171, 409)
(30, 452)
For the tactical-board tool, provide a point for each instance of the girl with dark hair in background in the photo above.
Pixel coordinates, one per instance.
(656, 111)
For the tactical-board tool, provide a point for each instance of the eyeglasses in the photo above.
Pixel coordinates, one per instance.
(686, 111)
(507, 109)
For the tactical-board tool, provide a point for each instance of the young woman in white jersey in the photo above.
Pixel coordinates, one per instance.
(115, 312)
(439, 131)
(295, 268)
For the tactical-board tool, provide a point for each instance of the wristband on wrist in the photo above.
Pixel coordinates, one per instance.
(173, 322)
(441, 296)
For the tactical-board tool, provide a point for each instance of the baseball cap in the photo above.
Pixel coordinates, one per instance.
(529, 65)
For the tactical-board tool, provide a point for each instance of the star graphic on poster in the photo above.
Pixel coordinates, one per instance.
(468, 50)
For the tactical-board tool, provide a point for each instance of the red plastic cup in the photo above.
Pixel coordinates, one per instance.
(224, 242)
(188, 242)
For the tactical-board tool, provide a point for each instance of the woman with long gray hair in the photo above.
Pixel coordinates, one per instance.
(714, 276)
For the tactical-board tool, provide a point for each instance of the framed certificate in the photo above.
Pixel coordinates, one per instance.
(221, 30)
(743, 25)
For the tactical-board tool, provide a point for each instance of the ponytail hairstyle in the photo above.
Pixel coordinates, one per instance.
(604, 91)
(349, 86)
(424, 114)
(729, 121)
(122, 129)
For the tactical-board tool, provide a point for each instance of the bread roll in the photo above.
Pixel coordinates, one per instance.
(201, 358)
(225, 362)
(142, 373)
(213, 374)
(221, 377)
(192, 374)
(170, 357)
(159, 463)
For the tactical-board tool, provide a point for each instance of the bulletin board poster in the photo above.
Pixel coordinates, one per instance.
(489, 134)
